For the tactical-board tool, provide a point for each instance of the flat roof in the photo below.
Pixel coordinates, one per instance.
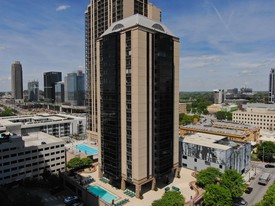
(213, 129)
(35, 119)
(207, 140)
(36, 138)
(237, 125)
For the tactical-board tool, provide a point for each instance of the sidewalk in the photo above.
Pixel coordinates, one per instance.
(251, 175)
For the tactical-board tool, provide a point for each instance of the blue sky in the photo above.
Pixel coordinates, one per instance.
(224, 43)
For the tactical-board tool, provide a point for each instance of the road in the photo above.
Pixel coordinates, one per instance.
(259, 190)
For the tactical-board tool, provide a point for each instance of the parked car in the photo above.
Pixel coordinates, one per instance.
(270, 165)
(70, 200)
(248, 190)
(240, 202)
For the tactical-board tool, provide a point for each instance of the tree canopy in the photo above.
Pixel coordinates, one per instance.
(222, 115)
(229, 184)
(216, 195)
(269, 197)
(185, 119)
(234, 182)
(76, 163)
(266, 151)
(7, 112)
(208, 176)
(170, 198)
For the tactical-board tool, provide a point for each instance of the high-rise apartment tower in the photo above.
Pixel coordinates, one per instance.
(98, 18)
(137, 104)
(16, 80)
(271, 93)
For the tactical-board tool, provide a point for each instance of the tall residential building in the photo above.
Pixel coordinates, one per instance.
(59, 92)
(138, 90)
(218, 96)
(75, 88)
(99, 16)
(33, 91)
(271, 94)
(16, 80)
(50, 78)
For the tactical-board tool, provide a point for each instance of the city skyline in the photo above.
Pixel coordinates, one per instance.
(220, 41)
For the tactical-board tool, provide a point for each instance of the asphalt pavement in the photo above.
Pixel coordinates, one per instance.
(259, 190)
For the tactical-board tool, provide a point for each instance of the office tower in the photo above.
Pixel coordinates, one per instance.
(59, 92)
(16, 80)
(98, 17)
(218, 96)
(33, 91)
(271, 94)
(138, 80)
(75, 88)
(50, 78)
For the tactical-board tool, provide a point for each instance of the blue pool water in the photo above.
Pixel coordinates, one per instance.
(103, 194)
(87, 150)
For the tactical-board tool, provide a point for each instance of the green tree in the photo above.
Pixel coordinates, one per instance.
(75, 163)
(222, 115)
(7, 112)
(170, 198)
(215, 195)
(269, 197)
(266, 151)
(234, 182)
(87, 161)
(208, 176)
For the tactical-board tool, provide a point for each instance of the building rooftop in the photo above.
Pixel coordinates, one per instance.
(36, 138)
(209, 140)
(237, 125)
(137, 19)
(213, 129)
(38, 119)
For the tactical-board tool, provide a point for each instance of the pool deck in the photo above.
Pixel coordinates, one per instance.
(73, 152)
(150, 196)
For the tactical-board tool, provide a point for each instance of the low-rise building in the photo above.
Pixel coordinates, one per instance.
(29, 156)
(256, 114)
(58, 125)
(233, 131)
(199, 151)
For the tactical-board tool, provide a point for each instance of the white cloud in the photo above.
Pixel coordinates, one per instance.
(247, 72)
(192, 62)
(62, 7)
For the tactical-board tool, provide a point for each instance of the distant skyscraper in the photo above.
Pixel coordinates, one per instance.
(16, 80)
(59, 92)
(75, 88)
(271, 94)
(50, 78)
(137, 105)
(33, 91)
(98, 18)
(218, 96)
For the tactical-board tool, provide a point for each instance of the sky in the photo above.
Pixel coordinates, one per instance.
(224, 43)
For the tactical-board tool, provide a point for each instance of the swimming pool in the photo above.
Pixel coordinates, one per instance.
(103, 194)
(86, 149)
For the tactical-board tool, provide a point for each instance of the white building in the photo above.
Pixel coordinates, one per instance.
(257, 114)
(199, 151)
(29, 156)
(218, 96)
(58, 125)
